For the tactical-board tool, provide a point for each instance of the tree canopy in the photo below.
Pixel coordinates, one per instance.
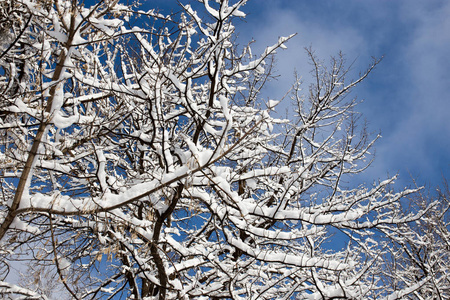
(139, 159)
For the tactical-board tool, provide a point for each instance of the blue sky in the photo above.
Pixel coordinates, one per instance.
(406, 99)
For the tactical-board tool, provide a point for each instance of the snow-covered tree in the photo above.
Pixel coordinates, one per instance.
(139, 160)
(420, 255)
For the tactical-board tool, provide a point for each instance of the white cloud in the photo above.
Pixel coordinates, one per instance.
(422, 137)
(325, 41)
(407, 96)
